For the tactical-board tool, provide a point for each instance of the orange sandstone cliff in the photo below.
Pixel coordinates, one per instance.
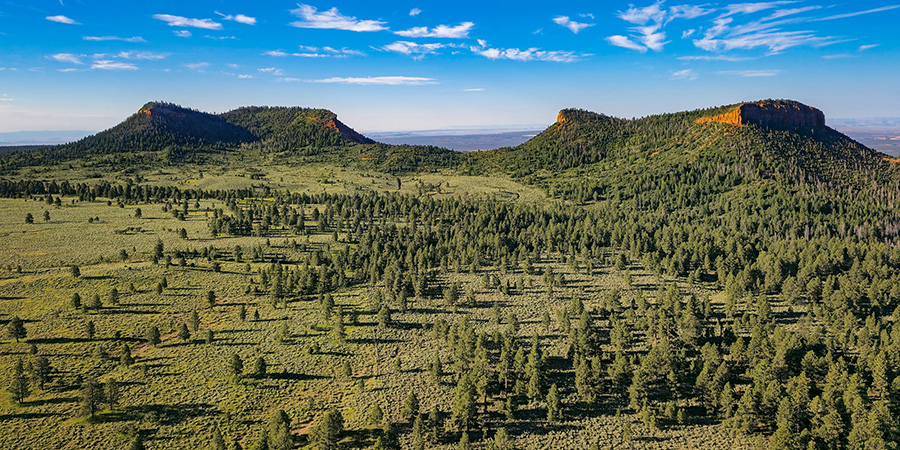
(772, 114)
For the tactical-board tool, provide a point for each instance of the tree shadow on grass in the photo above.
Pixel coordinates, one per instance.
(28, 415)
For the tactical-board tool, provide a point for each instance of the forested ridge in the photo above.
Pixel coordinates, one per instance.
(679, 275)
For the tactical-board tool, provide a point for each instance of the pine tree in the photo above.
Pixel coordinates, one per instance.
(463, 408)
(260, 367)
(410, 407)
(384, 317)
(40, 371)
(211, 298)
(326, 433)
(279, 431)
(111, 393)
(418, 433)
(194, 321)
(554, 407)
(183, 333)
(153, 337)
(375, 415)
(91, 397)
(76, 301)
(16, 329)
(237, 366)
(18, 385)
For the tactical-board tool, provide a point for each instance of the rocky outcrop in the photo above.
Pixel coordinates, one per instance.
(779, 115)
(347, 133)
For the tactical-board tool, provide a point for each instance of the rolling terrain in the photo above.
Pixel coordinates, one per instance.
(269, 278)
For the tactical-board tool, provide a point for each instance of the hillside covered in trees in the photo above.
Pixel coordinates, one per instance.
(719, 278)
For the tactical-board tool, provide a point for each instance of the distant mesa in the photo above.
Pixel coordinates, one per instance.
(774, 114)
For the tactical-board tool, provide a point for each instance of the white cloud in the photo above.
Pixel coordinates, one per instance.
(858, 13)
(863, 48)
(105, 64)
(686, 74)
(316, 52)
(647, 32)
(7, 99)
(460, 31)
(62, 19)
(332, 19)
(751, 73)
(135, 39)
(148, 56)
(178, 21)
(198, 66)
(531, 54)
(750, 8)
(412, 48)
(625, 42)
(239, 18)
(182, 33)
(386, 81)
(245, 76)
(715, 58)
(473, 90)
(415, 12)
(572, 25)
(273, 70)
(67, 58)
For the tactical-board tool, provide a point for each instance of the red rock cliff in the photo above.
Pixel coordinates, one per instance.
(772, 114)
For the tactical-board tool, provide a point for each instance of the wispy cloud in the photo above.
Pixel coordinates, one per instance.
(624, 42)
(572, 25)
(412, 48)
(62, 19)
(685, 74)
(67, 58)
(750, 73)
(332, 19)
(182, 33)
(715, 58)
(863, 48)
(649, 21)
(4, 98)
(415, 12)
(473, 90)
(460, 31)
(147, 56)
(239, 18)
(135, 39)
(106, 64)
(198, 66)
(857, 13)
(178, 21)
(385, 81)
(272, 70)
(316, 52)
(531, 54)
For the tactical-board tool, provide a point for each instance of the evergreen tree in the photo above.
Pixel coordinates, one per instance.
(410, 407)
(554, 406)
(260, 367)
(91, 397)
(153, 337)
(463, 408)
(327, 431)
(183, 333)
(40, 371)
(18, 384)
(237, 366)
(279, 431)
(111, 393)
(16, 329)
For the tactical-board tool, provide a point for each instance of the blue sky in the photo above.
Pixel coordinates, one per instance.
(412, 65)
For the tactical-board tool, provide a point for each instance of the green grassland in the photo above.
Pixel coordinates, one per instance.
(177, 392)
